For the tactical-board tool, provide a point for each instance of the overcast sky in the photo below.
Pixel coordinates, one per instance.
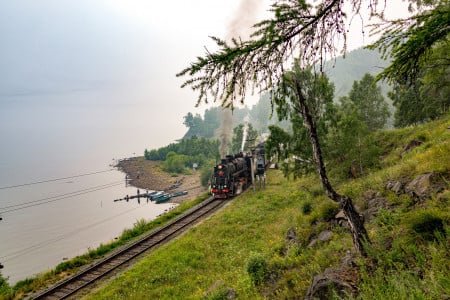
(52, 45)
(137, 46)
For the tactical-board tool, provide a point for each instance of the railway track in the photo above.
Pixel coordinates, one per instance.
(93, 273)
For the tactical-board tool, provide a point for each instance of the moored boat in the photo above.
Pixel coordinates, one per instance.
(163, 198)
(181, 193)
(156, 195)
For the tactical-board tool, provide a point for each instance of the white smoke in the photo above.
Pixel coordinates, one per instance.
(245, 132)
(240, 26)
(225, 131)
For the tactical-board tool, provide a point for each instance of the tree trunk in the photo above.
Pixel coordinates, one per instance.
(355, 220)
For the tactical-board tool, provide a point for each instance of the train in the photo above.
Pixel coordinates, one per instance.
(235, 173)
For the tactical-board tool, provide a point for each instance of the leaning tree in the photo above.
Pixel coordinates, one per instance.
(297, 29)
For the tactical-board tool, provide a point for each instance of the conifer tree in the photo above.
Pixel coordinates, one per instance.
(369, 102)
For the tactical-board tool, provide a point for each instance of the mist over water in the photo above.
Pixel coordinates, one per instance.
(51, 136)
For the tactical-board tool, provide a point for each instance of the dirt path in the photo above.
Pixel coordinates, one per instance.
(148, 175)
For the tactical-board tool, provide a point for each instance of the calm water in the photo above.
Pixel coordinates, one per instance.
(46, 137)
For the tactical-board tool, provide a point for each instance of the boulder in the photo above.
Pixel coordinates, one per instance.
(395, 186)
(339, 281)
(219, 288)
(426, 184)
(291, 236)
(325, 236)
(374, 202)
(340, 219)
(291, 239)
(312, 243)
(411, 145)
(342, 280)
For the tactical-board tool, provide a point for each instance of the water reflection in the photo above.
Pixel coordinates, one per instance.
(48, 222)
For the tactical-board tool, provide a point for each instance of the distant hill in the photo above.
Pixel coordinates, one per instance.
(343, 71)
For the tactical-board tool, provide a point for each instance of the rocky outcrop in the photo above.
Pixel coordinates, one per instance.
(396, 186)
(421, 187)
(411, 145)
(219, 291)
(324, 236)
(374, 202)
(341, 281)
(291, 240)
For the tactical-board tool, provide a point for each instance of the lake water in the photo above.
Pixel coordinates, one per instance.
(60, 139)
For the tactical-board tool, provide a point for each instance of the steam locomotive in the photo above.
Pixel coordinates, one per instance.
(235, 173)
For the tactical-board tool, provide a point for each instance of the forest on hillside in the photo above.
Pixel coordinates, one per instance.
(342, 72)
(353, 104)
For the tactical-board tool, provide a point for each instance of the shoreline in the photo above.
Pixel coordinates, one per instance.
(149, 175)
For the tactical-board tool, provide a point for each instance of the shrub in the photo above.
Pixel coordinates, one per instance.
(257, 269)
(219, 292)
(175, 163)
(306, 208)
(71, 264)
(206, 172)
(328, 210)
(427, 225)
(4, 286)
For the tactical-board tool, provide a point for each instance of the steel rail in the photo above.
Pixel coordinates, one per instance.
(80, 280)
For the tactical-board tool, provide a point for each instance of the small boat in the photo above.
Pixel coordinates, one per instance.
(163, 198)
(181, 193)
(150, 194)
(155, 195)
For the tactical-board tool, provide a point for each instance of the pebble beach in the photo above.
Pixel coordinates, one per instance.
(149, 175)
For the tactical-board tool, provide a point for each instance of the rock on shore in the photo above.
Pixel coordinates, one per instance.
(149, 175)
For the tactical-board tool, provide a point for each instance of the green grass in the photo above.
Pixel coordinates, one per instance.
(243, 247)
(31, 285)
(224, 247)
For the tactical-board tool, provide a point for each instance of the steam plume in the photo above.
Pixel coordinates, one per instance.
(244, 132)
(240, 26)
(225, 131)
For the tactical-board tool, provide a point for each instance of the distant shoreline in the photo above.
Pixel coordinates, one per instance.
(149, 175)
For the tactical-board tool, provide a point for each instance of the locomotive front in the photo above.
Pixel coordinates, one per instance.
(231, 176)
(220, 185)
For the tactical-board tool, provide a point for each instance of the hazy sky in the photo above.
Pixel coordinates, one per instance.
(51, 46)
(134, 47)
(128, 50)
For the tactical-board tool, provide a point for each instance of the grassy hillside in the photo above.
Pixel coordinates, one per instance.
(267, 244)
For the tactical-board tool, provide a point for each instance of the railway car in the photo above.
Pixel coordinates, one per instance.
(260, 166)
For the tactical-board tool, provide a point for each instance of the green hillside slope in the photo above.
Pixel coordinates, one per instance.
(271, 243)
